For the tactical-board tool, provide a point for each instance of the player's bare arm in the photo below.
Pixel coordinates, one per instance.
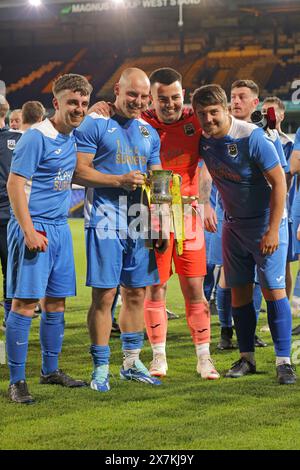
(16, 192)
(205, 184)
(295, 162)
(86, 175)
(276, 178)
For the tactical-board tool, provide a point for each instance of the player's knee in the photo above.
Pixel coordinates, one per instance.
(24, 306)
(133, 296)
(156, 293)
(242, 295)
(273, 294)
(50, 304)
(103, 298)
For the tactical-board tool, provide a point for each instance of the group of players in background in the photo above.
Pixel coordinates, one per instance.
(234, 177)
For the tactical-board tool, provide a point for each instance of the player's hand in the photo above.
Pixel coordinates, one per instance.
(133, 180)
(104, 108)
(210, 218)
(269, 242)
(36, 242)
(161, 245)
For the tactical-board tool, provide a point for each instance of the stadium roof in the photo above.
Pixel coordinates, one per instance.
(225, 3)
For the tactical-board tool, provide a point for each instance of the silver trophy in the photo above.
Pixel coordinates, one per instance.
(160, 184)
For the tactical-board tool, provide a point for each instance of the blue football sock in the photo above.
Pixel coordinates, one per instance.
(132, 340)
(257, 298)
(17, 334)
(296, 292)
(209, 281)
(52, 328)
(245, 323)
(224, 307)
(280, 323)
(100, 355)
(7, 308)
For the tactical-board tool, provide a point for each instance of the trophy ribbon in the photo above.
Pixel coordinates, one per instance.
(146, 190)
(146, 194)
(177, 212)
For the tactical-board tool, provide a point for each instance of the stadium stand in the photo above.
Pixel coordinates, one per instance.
(34, 75)
(261, 42)
(148, 64)
(26, 78)
(67, 68)
(274, 72)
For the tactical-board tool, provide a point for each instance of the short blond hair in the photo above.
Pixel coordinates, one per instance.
(274, 100)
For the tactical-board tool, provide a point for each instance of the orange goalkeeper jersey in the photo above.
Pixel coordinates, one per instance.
(180, 148)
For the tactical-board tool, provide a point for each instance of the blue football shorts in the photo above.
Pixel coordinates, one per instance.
(296, 222)
(292, 255)
(32, 275)
(241, 252)
(215, 255)
(116, 260)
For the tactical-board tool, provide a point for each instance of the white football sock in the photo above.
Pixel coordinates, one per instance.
(129, 357)
(282, 360)
(202, 350)
(159, 348)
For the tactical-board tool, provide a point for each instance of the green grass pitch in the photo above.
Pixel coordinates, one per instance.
(184, 413)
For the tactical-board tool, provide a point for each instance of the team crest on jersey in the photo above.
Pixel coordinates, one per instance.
(11, 144)
(189, 129)
(144, 131)
(232, 150)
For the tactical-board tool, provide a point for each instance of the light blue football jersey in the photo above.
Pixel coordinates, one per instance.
(119, 145)
(274, 136)
(287, 145)
(47, 159)
(297, 140)
(237, 163)
(296, 201)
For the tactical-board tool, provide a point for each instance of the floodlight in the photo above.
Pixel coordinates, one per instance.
(35, 3)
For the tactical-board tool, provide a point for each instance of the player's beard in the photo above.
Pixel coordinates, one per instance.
(213, 130)
(210, 130)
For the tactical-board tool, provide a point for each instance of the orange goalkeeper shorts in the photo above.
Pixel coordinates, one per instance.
(192, 262)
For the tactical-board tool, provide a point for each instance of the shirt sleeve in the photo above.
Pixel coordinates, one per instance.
(288, 148)
(263, 151)
(297, 140)
(88, 134)
(154, 158)
(280, 151)
(28, 153)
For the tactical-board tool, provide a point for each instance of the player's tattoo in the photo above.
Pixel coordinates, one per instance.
(204, 191)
